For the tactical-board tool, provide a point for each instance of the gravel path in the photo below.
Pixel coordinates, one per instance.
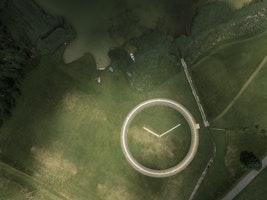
(200, 107)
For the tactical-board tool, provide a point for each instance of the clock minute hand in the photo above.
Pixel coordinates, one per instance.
(169, 130)
(148, 130)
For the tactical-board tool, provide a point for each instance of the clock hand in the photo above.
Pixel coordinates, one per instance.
(155, 134)
(169, 130)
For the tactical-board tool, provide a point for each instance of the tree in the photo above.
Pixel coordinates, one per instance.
(16, 58)
(250, 161)
(210, 16)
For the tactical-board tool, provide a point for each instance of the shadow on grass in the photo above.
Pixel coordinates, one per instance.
(34, 120)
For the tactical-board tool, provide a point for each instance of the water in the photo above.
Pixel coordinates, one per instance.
(103, 24)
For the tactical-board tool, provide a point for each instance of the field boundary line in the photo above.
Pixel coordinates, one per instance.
(240, 92)
(204, 173)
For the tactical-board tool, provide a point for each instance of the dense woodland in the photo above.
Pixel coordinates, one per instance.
(29, 22)
(26, 32)
(16, 59)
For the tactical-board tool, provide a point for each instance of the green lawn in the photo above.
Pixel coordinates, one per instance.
(237, 141)
(220, 75)
(65, 134)
(218, 78)
(217, 178)
(256, 189)
(65, 131)
(249, 114)
(63, 141)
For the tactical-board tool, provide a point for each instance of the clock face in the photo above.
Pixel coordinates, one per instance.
(159, 137)
(155, 137)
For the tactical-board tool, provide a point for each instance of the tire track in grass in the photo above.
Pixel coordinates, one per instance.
(250, 79)
(40, 184)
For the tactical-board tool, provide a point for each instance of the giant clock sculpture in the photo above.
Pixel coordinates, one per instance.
(193, 144)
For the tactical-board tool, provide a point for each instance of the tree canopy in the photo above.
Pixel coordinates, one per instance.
(250, 161)
(16, 59)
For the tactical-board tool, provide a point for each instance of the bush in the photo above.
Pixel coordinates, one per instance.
(28, 22)
(211, 15)
(250, 161)
(154, 61)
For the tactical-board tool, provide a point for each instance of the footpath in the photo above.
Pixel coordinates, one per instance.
(244, 182)
(190, 81)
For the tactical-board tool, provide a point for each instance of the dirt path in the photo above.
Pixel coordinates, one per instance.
(250, 79)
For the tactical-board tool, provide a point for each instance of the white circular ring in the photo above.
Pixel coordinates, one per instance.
(193, 145)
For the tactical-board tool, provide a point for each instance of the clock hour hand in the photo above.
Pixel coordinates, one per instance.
(152, 132)
(169, 130)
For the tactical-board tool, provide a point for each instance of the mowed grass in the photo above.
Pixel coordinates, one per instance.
(220, 75)
(65, 131)
(256, 189)
(249, 113)
(238, 141)
(217, 179)
(250, 108)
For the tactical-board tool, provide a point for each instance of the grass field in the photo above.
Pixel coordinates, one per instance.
(256, 189)
(237, 141)
(63, 141)
(217, 178)
(252, 118)
(219, 77)
(65, 134)
(237, 4)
